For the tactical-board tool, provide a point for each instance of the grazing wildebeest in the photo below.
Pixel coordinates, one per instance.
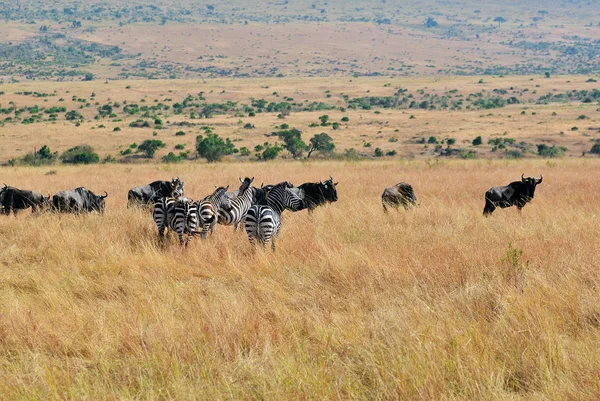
(317, 194)
(147, 195)
(401, 194)
(78, 200)
(16, 199)
(517, 193)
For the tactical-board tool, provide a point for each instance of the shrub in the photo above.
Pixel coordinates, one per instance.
(73, 115)
(213, 147)
(171, 158)
(180, 133)
(271, 153)
(432, 139)
(391, 153)
(378, 152)
(116, 129)
(293, 142)
(477, 141)
(551, 151)
(150, 146)
(139, 124)
(180, 146)
(596, 148)
(451, 141)
(244, 151)
(82, 154)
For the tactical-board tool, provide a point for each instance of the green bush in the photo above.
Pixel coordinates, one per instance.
(378, 152)
(551, 151)
(244, 151)
(150, 146)
(477, 141)
(82, 154)
(213, 147)
(271, 153)
(596, 148)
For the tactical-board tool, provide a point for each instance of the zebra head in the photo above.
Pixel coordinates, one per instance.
(220, 199)
(280, 198)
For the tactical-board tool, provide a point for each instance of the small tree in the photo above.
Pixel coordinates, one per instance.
(324, 119)
(322, 143)
(150, 146)
(500, 20)
(271, 153)
(213, 147)
(477, 141)
(293, 142)
(596, 148)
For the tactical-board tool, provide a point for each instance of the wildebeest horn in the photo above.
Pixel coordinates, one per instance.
(331, 178)
(105, 195)
(522, 177)
(242, 181)
(541, 178)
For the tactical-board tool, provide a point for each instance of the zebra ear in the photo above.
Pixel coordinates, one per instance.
(240, 178)
(227, 188)
(251, 180)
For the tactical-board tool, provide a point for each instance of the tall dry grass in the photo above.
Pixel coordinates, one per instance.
(433, 303)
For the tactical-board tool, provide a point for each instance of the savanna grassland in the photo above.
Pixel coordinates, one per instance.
(432, 303)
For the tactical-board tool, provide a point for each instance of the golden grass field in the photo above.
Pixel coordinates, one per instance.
(435, 303)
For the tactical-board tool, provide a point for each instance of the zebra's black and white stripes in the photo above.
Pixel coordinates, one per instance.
(177, 214)
(240, 205)
(263, 222)
(210, 207)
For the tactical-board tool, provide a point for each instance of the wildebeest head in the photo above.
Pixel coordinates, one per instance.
(100, 202)
(177, 187)
(246, 182)
(329, 191)
(531, 180)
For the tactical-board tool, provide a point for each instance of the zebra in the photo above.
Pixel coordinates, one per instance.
(263, 222)
(177, 214)
(210, 207)
(241, 201)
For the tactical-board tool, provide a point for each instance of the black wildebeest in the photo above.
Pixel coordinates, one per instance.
(517, 193)
(15, 199)
(401, 194)
(317, 194)
(147, 195)
(78, 200)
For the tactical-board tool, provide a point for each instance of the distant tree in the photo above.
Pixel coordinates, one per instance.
(324, 119)
(212, 147)
(293, 142)
(321, 143)
(44, 28)
(430, 23)
(271, 153)
(73, 115)
(596, 148)
(150, 146)
(500, 20)
(477, 141)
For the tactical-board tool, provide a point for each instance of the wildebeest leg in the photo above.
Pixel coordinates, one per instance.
(385, 210)
(489, 208)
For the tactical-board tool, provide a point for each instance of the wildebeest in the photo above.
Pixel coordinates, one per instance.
(317, 194)
(401, 194)
(15, 199)
(78, 200)
(517, 193)
(147, 195)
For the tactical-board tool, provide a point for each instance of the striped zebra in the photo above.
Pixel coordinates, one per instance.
(263, 222)
(210, 207)
(241, 202)
(177, 214)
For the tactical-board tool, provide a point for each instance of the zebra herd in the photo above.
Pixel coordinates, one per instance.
(259, 209)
